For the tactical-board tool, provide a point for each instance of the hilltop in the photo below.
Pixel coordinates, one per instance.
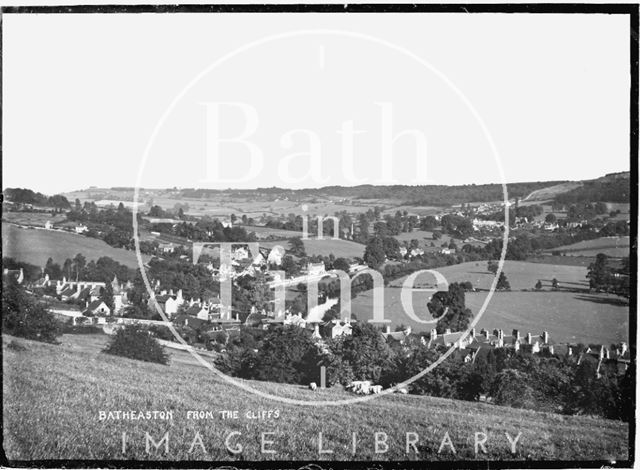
(53, 395)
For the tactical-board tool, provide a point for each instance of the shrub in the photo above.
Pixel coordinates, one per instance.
(14, 345)
(137, 343)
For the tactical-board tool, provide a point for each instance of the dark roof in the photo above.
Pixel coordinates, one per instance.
(94, 305)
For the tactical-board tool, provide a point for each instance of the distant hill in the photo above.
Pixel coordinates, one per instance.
(614, 187)
(56, 392)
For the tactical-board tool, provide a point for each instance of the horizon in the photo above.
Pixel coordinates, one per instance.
(320, 188)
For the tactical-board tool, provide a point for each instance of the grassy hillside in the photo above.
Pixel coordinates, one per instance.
(36, 246)
(616, 247)
(53, 395)
(567, 316)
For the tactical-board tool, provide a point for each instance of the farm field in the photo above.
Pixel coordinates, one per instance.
(339, 248)
(568, 316)
(34, 219)
(53, 395)
(521, 274)
(616, 247)
(264, 232)
(36, 246)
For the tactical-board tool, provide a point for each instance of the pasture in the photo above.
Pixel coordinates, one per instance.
(53, 395)
(616, 247)
(35, 246)
(32, 219)
(339, 248)
(568, 316)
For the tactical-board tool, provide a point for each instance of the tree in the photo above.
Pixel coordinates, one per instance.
(23, 316)
(492, 267)
(134, 342)
(341, 264)
(503, 283)
(452, 302)
(599, 273)
(297, 247)
(538, 285)
(53, 269)
(107, 297)
(288, 354)
(550, 218)
(289, 266)
(365, 350)
(374, 254)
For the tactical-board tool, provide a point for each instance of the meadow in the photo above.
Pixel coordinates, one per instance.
(53, 395)
(616, 247)
(36, 246)
(33, 219)
(567, 316)
(339, 248)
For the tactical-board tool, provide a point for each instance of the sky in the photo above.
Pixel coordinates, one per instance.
(309, 100)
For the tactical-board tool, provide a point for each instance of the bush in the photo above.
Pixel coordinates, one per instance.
(82, 330)
(137, 343)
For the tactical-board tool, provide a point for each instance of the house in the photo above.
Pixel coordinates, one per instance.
(275, 255)
(335, 328)
(81, 228)
(97, 308)
(15, 274)
(396, 336)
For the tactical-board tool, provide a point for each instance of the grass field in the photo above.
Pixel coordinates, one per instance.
(52, 396)
(33, 219)
(36, 246)
(339, 248)
(567, 316)
(616, 247)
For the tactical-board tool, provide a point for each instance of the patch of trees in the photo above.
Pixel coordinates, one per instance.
(609, 190)
(605, 277)
(102, 270)
(23, 316)
(27, 196)
(31, 271)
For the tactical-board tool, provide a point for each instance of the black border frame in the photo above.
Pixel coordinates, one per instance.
(632, 10)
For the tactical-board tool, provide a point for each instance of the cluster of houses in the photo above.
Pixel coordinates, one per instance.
(478, 343)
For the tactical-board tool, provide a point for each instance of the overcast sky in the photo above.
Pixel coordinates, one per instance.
(86, 96)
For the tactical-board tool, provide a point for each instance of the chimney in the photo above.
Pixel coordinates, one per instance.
(434, 334)
(473, 333)
(496, 333)
(551, 350)
(528, 338)
(486, 334)
(500, 343)
(387, 329)
(501, 334)
(607, 354)
(569, 351)
(601, 352)
(516, 346)
(545, 337)
(447, 331)
(623, 347)
(516, 335)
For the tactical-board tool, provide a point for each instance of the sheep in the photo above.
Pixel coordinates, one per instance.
(313, 386)
(376, 389)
